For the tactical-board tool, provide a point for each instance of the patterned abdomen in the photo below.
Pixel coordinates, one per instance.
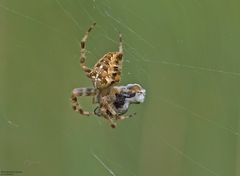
(107, 71)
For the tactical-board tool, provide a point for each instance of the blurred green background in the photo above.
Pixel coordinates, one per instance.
(185, 53)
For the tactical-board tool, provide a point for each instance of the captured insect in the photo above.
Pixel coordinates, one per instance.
(113, 101)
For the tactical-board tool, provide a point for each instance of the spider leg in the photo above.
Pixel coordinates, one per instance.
(77, 92)
(106, 102)
(121, 117)
(106, 115)
(120, 43)
(95, 100)
(107, 111)
(110, 107)
(83, 52)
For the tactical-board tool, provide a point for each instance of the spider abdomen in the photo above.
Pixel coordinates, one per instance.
(107, 71)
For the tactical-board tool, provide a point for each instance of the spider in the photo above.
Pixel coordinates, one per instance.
(113, 101)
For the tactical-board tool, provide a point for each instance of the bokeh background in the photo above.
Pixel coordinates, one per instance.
(185, 53)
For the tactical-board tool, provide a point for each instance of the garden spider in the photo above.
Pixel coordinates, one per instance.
(113, 100)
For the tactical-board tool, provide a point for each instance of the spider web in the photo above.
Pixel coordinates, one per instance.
(156, 56)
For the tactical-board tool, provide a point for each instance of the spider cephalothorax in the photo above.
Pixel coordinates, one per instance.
(113, 100)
